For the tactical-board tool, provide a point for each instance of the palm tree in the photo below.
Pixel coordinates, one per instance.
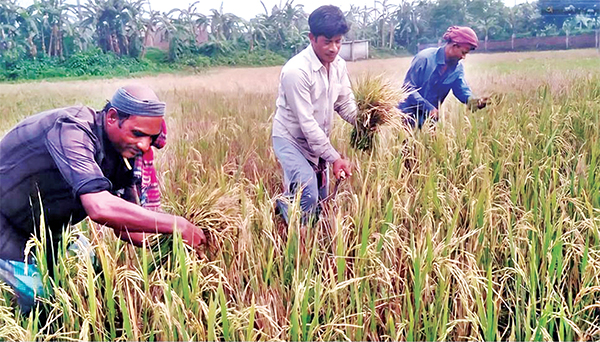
(82, 34)
(28, 29)
(487, 25)
(569, 26)
(511, 20)
(56, 16)
(596, 23)
(39, 16)
(285, 27)
(150, 23)
(485, 14)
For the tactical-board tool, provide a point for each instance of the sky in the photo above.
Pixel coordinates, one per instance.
(248, 9)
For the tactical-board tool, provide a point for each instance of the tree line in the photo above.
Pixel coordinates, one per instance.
(58, 30)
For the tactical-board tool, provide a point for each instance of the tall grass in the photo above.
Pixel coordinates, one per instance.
(488, 230)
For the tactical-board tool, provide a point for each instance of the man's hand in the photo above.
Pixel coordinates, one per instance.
(191, 234)
(477, 103)
(482, 102)
(132, 220)
(342, 168)
(434, 115)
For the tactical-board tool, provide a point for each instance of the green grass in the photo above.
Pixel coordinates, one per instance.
(489, 230)
(543, 63)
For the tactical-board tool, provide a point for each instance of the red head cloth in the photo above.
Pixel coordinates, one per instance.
(461, 35)
(161, 140)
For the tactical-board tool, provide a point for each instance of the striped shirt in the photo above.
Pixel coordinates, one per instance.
(51, 159)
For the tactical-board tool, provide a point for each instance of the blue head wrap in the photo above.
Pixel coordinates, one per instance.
(126, 103)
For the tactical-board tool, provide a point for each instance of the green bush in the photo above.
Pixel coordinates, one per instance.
(195, 61)
(255, 58)
(156, 55)
(89, 63)
(94, 62)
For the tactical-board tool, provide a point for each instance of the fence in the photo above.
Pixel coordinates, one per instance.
(535, 43)
(354, 50)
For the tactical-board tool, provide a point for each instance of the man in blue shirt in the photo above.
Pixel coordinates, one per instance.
(436, 71)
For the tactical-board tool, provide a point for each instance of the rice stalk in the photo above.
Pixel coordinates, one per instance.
(377, 102)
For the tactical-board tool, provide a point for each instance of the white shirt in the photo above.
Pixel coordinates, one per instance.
(306, 101)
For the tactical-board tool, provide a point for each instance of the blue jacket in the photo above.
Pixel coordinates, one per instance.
(428, 88)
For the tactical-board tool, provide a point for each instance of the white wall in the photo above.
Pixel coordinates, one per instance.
(355, 50)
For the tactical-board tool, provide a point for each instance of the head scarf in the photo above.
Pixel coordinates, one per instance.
(161, 140)
(128, 104)
(461, 35)
(144, 173)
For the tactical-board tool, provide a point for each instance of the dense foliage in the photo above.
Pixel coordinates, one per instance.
(47, 35)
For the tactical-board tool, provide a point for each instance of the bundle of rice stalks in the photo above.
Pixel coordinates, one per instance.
(377, 100)
(216, 212)
(219, 214)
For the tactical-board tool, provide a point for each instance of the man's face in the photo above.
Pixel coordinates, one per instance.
(135, 135)
(458, 52)
(326, 48)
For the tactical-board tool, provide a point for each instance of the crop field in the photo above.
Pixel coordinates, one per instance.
(488, 229)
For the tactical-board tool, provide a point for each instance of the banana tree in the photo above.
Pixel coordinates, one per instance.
(190, 21)
(224, 26)
(9, 17)
(117, 24)
(28, 30)
(385, 21)
(255, 30)
(410, 24)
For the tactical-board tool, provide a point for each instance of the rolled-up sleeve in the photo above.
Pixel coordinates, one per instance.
(296, 86)
(72, 147)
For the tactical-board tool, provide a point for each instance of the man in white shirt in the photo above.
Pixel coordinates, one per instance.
(313, 84)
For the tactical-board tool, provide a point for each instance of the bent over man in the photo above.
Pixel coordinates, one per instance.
(65, 164)
(434, 72)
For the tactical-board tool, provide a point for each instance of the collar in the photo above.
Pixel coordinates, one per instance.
(315, 62)
(440, 55)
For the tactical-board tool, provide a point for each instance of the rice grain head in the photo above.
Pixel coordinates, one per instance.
(377, 99)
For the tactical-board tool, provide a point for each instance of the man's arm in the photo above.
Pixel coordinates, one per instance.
(128, 218)
(72, 146)
(137, 239)
(460, 88)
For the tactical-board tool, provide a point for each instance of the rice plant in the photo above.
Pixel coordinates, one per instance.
(377, 100)
(487, 230)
